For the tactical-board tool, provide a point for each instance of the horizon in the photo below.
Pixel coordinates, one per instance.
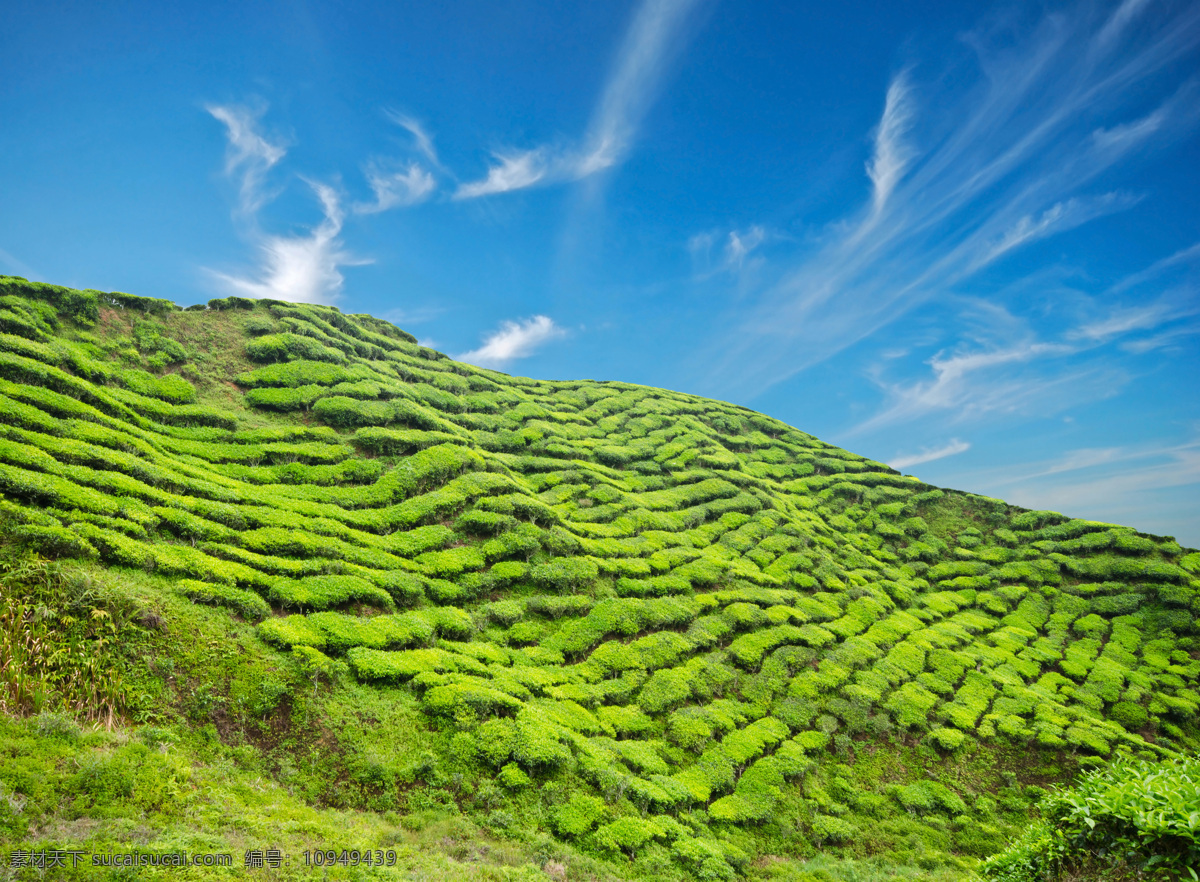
(962, 244)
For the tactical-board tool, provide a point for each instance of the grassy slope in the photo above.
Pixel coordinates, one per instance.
(525, 628)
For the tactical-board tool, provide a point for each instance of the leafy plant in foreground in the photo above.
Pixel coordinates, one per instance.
(1130, 817)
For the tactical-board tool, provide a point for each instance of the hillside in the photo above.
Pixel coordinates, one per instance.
(301, 567)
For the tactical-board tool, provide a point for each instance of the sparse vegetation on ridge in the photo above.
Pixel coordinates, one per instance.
(625, 630)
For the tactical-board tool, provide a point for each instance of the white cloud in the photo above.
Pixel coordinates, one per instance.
(1161, 341)
(1125, 135)
(962, 172)
(396, 187)
(512, 171)
(249, 151)
(971, 384)
(1058, 218)
(633, 84)
(512, 341)
(927, 454)
(301, 269)
(1119, 21)
(421, 138)
(1179, 258)
(740, 244)
(628, 95)
(1149, 486)
(1124, 320)
(297, 268)
(892, 153)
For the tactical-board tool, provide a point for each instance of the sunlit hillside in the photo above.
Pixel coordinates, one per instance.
(278, 577)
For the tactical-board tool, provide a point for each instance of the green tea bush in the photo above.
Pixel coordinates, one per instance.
(579, 815)
(448, 699)
(406, 589)
(323, 592)
(283, 347)
(396, 442)
(911, 704)
(171, 387)
(246, 603)
(1133, 816)
(343, 412)
(665, 689)
(53, 540)
(831, 830)
(627, 834)
(451, 562)
(564, 574)
(297, 374)
(284, 398)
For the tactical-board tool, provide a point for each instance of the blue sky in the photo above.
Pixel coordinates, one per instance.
(959, 238)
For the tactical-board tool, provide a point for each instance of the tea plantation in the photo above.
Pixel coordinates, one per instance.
(319, 583)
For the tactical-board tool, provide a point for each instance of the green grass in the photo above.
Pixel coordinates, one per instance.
(589, 628)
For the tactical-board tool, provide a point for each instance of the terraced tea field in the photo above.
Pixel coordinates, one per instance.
(671, 628)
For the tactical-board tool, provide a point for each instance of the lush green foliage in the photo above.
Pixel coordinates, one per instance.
(1129, 817)
(675, 631)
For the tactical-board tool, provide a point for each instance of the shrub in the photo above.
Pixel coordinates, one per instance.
(947, 739)
(513, 778)
(53, 540)
(343, 412)
(246, 603)
(282, 347)
(285, 398)
(911, 704)
(394, 442)
(664, 690)
(1128, 715)
(495, 740)
(565, 574)
(452, 561)
(296, 374)
(323, 592)
(449, 699)
(172, 387)
(1130, 817)
(827, 829)
(406, 589)
(627, 834)
(579, 815)
(538, 744)
(555, 607)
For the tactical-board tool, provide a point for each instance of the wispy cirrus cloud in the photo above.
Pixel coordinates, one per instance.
(514, 340)
(396, 187)
(422, 140)
(300, 269)
(959, 178)
(1151, 486)
(931, 454)
(1127, 319)
(1058, 218)
(633, 84)
(303, 268)
(511, 171)
(734, 250)
(1001, 366)
(401, 183)
(250, 154)
(892, 152)
(630, 91)
(971, 384)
